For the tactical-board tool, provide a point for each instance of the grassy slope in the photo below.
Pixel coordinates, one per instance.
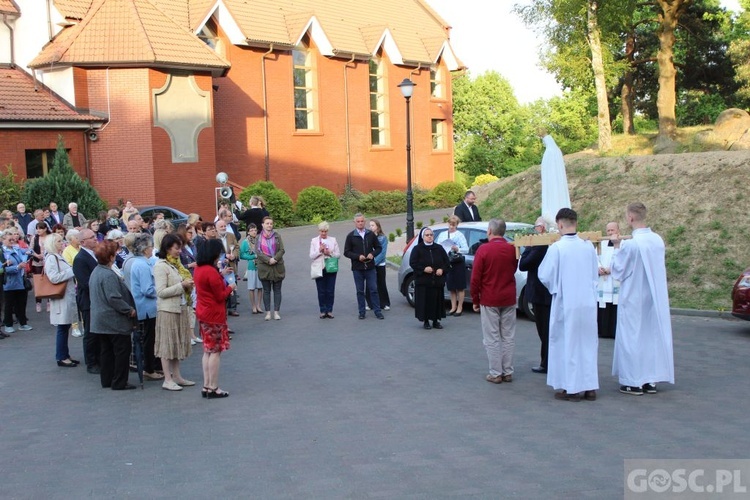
(697, 202)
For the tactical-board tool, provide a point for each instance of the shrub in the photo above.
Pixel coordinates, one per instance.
(420, 224)
(432, 222)
(483, 179)
(350, 200)
(10, 190)
(391, 237)
(399, 231)
(63, 186)
(447, 194)
(445, 218)
(383, 202)
(278, 203)
(316, 201)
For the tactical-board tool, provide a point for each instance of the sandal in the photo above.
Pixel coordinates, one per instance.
(216, 393)
(205, 391)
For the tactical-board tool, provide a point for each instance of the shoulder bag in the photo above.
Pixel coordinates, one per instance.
(45, 289)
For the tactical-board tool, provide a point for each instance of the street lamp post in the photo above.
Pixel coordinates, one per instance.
(407, 89)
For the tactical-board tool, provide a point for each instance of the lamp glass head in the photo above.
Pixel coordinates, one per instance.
(407, 87)
(222, 178)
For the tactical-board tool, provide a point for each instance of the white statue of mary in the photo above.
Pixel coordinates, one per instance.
(555, 193)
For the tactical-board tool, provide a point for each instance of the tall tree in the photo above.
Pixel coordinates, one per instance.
(581, 36)
(593, 35)
(666, 100)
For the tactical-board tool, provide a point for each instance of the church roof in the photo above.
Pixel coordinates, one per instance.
(9, 7)
(23, 100)
(146, 31)
(128, 33)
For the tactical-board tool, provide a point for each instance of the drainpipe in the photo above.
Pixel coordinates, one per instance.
(418, 69)
(86, 154)
(49, 19)
(267, 157)
(346, 117)
(12, 42)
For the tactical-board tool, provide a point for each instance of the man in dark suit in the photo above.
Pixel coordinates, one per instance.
(361, 247)
(55, 216)
(467, 211)
(83, 265)
(536, 293)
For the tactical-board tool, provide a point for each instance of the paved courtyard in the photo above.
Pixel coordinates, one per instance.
(359, 409)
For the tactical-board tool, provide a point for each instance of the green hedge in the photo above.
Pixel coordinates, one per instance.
(278, 203)
(317, 204)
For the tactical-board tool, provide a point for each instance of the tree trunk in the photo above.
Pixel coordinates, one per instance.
(666, 98)
(627, 94)
(597, 64)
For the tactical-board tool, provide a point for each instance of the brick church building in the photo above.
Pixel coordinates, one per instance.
(154, 97)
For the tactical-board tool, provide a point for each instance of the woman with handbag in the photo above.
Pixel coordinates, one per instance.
(322, 249)
(455, 279)
(430, 263)
(37, 257)
(247, 252)
(269, 250)
(63, 310)
(16, 282)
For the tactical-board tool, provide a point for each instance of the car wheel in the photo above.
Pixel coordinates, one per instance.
(526, 306)
(409, 287)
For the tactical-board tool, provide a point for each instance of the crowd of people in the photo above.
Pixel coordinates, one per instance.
(124, 273)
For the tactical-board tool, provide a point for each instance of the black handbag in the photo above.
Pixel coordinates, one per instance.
(27, 283)
(456, 257)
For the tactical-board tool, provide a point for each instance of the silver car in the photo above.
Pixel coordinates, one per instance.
(473, 232)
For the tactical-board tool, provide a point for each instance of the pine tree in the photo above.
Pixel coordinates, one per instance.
(63, 185)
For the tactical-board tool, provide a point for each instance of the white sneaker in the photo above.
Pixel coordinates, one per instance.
(198, 340)
(25, 328)
(387, 308)
(192, 342)
(268, 316)
(276, 316)
(8, 329)
(367, 308)
(76, 332)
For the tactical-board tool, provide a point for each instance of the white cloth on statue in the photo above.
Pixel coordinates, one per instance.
(609, 288)
(555, 193)
(643, 347)
(570, 273)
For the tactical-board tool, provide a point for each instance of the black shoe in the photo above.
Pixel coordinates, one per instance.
(362, 316)
(649, 388)
(457, 314)
(126, 387)
(539, 369)
(94, 370)
(230, 331)
(427, 325)
(436, 325)
(66, 363)
(635, 391)
(75, 361)
(216, 393)
(379, 316)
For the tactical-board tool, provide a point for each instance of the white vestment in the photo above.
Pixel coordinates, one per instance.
(555, 193)
(570, 273)
(609, 288)
(643, 347)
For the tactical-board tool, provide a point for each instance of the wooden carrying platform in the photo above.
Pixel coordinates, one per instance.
(546, 239)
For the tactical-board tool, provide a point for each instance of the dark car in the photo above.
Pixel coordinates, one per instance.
(741, 296)
(473, 232)
(171, 214)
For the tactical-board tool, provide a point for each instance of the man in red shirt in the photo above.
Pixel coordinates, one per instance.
(493, 293)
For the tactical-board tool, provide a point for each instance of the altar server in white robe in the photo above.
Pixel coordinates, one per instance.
(570, 273)
(643, 347)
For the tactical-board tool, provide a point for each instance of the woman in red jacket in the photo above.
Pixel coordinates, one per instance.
(212, 292)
